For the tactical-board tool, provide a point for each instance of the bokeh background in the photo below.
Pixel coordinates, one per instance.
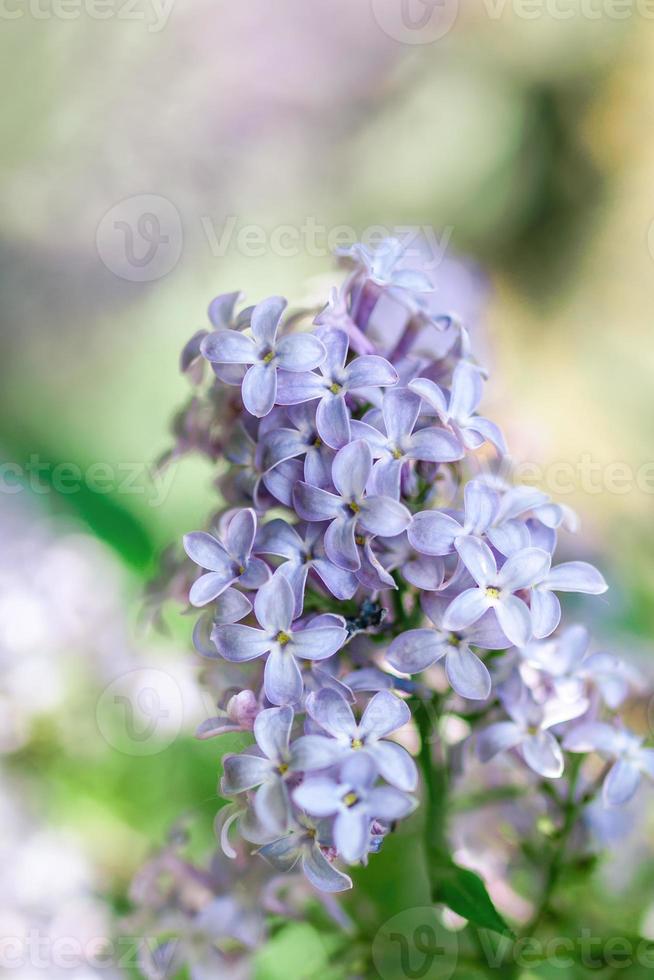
(156, 154)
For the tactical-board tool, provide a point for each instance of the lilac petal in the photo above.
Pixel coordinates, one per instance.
(372, 573)
(431, 394)
(318, 464)
(314, 504)
(255, 574)
(369, 371)
(465, 609)
(240, 534)
(231, 607)
(351, 469)
(300, 352)
(294, 388)
(220, 725)
(576, 576)
(221, 309)
(282, 854)
(487, 634)
(400, 408)
(296, 576)
(646, 761)
(341, 583)
(478, 559)
(336, 345)
(425, 572)
(385, 713)
(323, 875)
(388, 804)
(332, 712)
(384, 516)
(272, 730)
(481, 506)
(229, 347)
(352, 834)
(385, 479)
(281, 444)
(259, 389)
(311, 752)
(415, 650)
(205, 551)
(395, 765)
(510, 537)
(318, 644)
(318, 796)
(489, 432)
(265, 319)
(340, 543)
(542, 753)
(432, 532)
(277, 537)
(500, 737)
(282, 678)
(209, 587)
(621, 783)
(281, 480)
(592, 736)
(545, 613)
(466, 390)
(515, 620)
(272, 807)
(243, 772)
(435, 446)
(467, 674)
(524, 569)
(377, 441)
(274, 605)
(240, 643)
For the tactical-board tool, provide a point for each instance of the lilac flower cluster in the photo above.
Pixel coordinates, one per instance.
(363, 542)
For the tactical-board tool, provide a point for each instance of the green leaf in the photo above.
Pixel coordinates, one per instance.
(465, 893)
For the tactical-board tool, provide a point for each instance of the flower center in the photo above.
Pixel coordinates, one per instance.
(282, 769)
(350, 799)
(267, 358)
(397, 453)
(317, 442)
(356, 743)
(354, 507)
(493, 592)
(335, 388)
(283, 638)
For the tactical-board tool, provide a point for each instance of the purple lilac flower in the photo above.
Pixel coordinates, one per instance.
(307, 845)
(570, 576)
(272, 764)
(264, 353)
(226, 563)
(351, 507)
(433, 532)
(335, 381)
(337, 316)
(384, 714)
(496, 589)
(394, 443)
(632, 760)
(355, 802)
(283, 443)
(274, 608)
(416, 650)
(423, 571)
(384, 265)
(304, 552)
(458, 410)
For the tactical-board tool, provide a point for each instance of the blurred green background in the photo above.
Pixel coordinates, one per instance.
(153, 157)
